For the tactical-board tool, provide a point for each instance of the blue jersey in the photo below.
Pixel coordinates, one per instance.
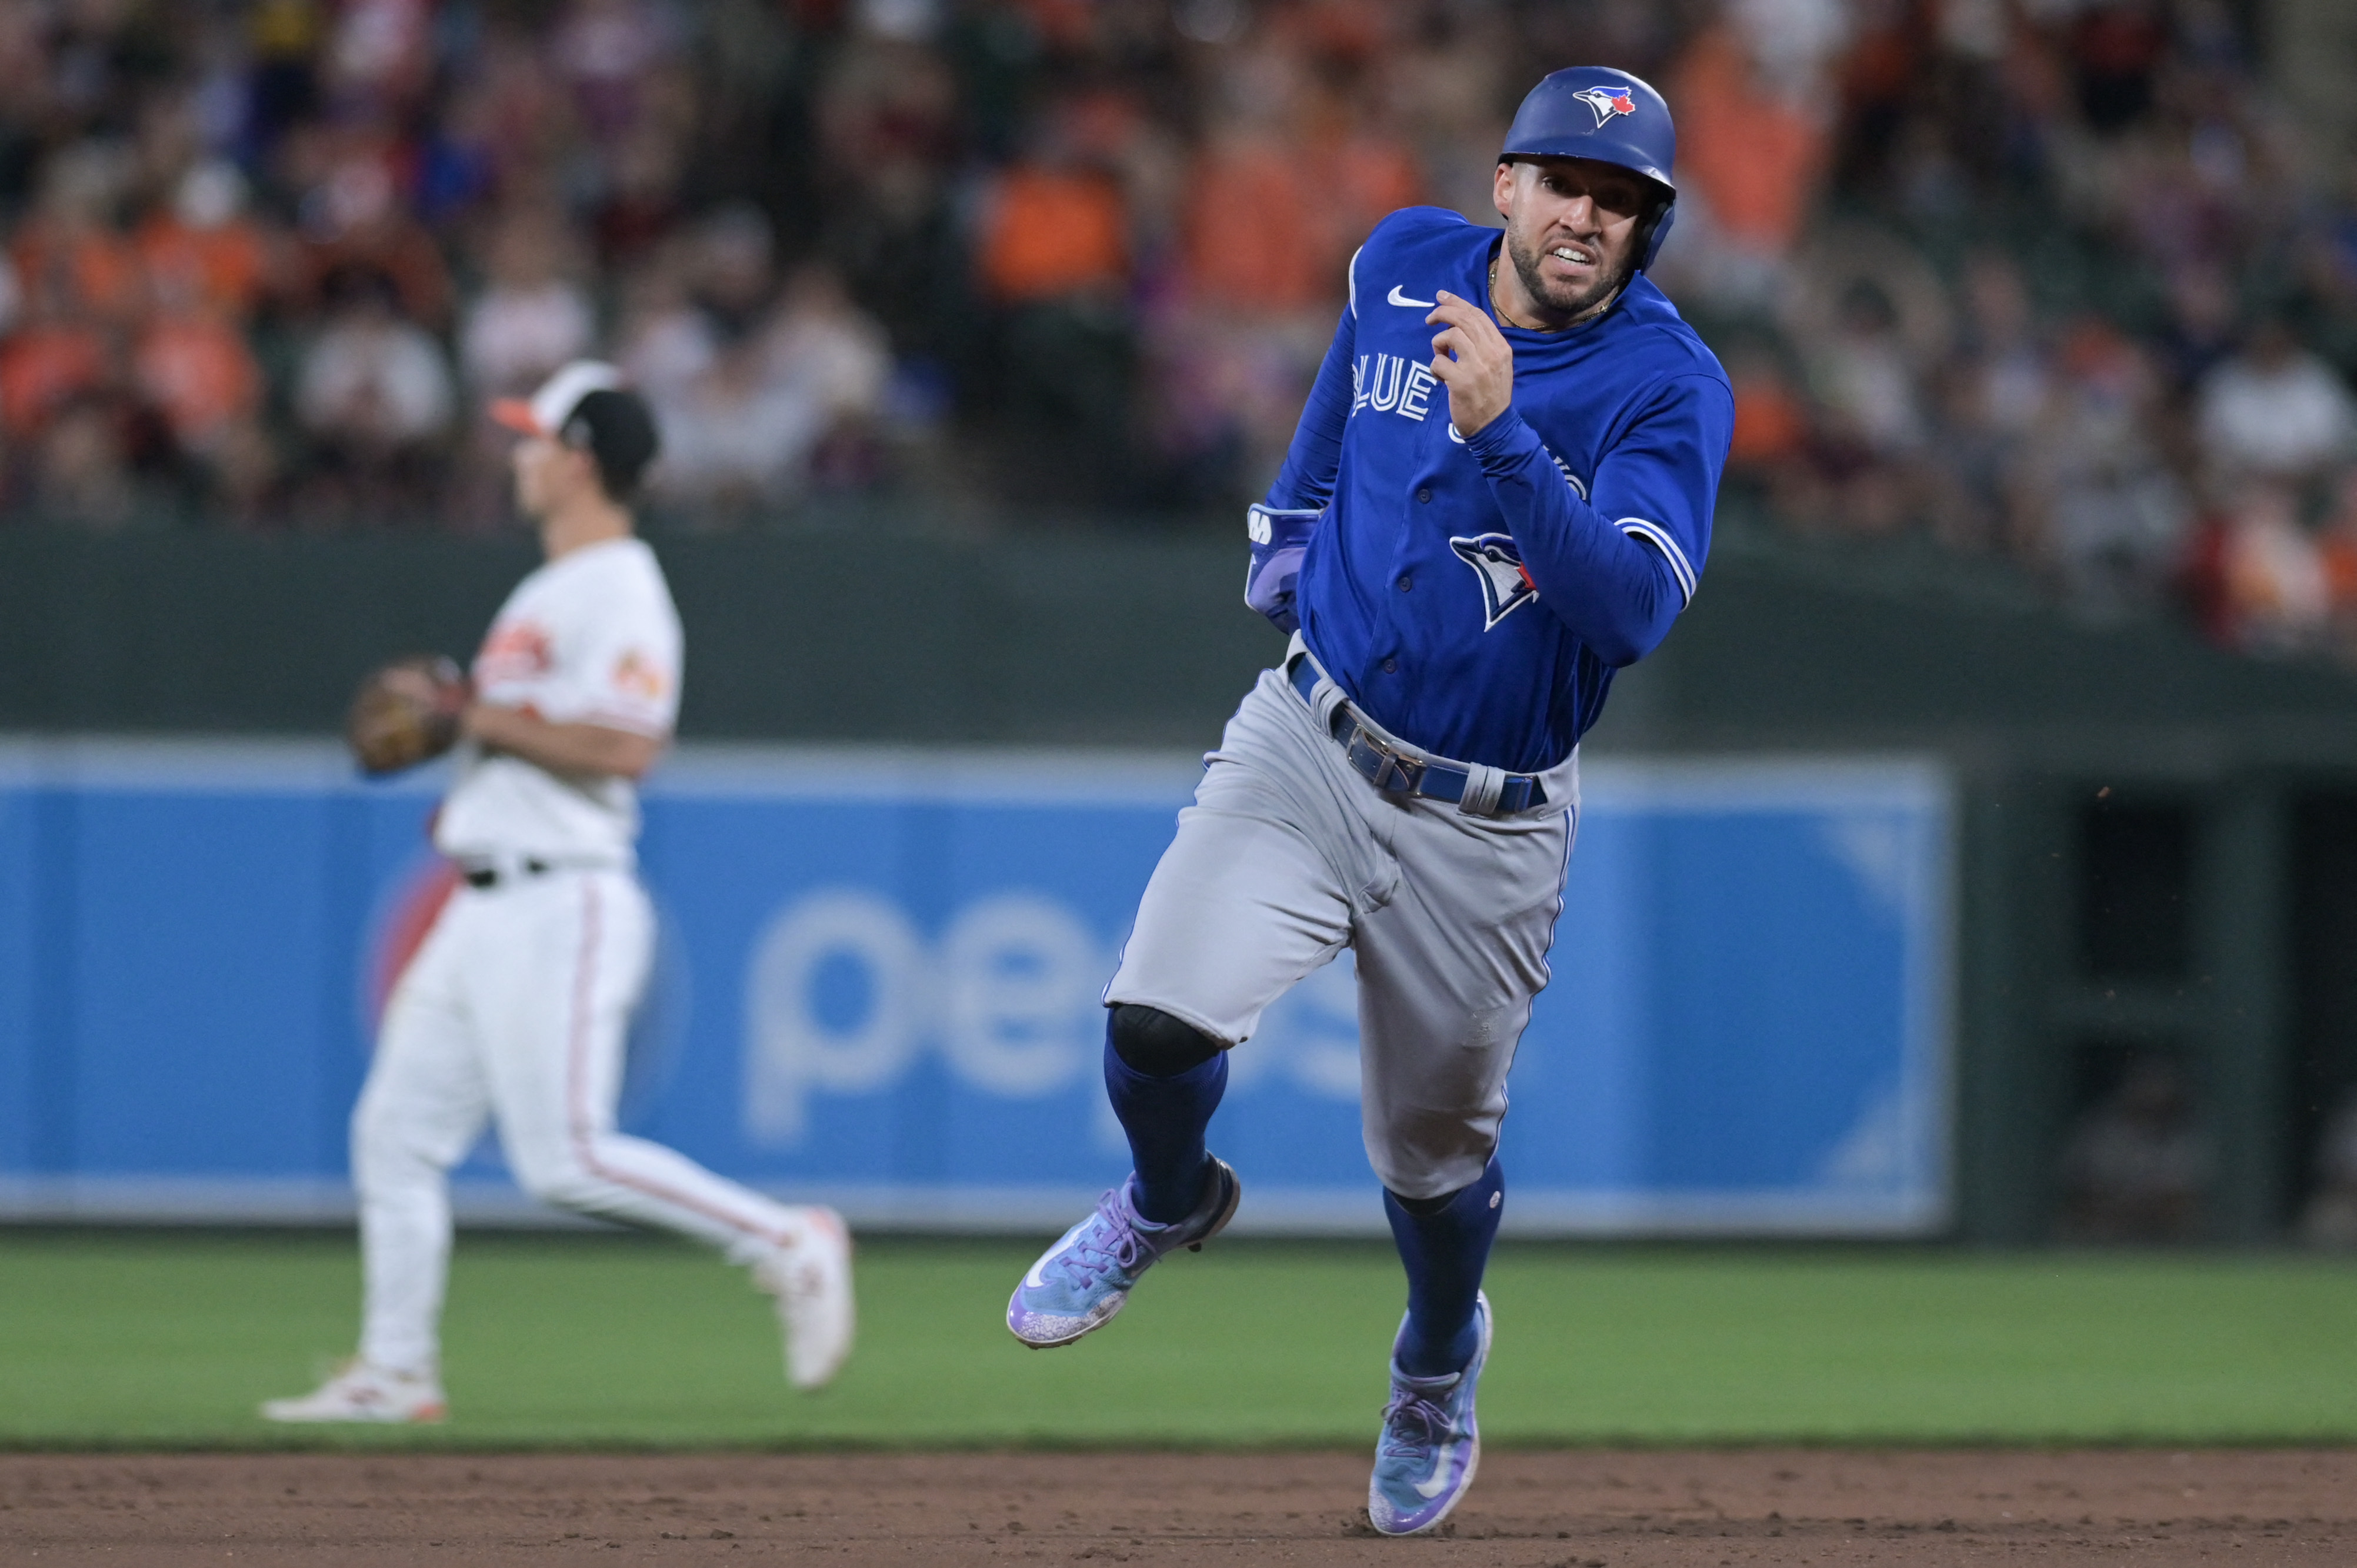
(1474, 597)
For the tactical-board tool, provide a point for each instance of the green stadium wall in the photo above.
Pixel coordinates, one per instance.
(1095, 638)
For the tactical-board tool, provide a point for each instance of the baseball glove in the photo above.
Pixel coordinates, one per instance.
(406, 712)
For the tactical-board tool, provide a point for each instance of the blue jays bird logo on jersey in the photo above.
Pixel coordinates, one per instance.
(1496, 560)
(1607, 102)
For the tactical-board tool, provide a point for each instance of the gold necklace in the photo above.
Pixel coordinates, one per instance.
(1509, 319)
(1501, 309)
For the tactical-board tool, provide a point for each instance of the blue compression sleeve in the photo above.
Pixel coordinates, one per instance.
(1617, 582)
(1307, 481)
(1445, 1254)
(1165, 1119)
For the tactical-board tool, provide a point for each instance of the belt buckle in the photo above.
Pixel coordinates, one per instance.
(1394, 773)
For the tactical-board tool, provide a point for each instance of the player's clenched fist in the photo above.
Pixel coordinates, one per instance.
(1474, 358)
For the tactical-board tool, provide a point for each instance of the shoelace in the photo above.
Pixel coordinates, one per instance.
(1091, 1258)
(1410, 1409)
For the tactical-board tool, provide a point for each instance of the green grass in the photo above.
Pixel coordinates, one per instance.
(148, 1338)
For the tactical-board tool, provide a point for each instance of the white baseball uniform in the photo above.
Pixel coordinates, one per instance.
(518, 1001)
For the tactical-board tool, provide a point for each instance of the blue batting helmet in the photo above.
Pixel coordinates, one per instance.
(1594, 112)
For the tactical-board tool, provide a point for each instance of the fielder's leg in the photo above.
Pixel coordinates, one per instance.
(555, 993)
(425, 1103)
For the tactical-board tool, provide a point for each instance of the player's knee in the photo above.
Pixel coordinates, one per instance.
(1492, 1182)
(1151, 1041)
(554, 1179)
(569, 1193)
(573, 1191)
(1427, 1162)
(1425, 1207)
(378, 1162)
(384, 1141)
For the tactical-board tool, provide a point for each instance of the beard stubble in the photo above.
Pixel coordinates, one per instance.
(1525, 258)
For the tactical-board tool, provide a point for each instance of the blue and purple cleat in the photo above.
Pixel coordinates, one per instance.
(1080, 1281)
(1431, 1443)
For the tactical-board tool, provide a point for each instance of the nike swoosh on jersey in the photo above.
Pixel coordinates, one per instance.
(1396, 298)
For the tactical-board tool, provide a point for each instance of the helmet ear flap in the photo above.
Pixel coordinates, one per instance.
(1658, 231)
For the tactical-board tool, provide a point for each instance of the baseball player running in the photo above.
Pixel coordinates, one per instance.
(1500, 492)
(517, 1003)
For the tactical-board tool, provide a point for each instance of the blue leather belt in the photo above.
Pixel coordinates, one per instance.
(1397, 773)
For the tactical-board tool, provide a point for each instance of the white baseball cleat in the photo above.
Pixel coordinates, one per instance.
(359, 1392)
(812, 1280)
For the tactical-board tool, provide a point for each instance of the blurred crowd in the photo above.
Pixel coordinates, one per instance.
(2060, 281)
(267, 259)
(2054, 281)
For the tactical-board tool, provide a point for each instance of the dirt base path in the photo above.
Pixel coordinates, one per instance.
(1647, 1509)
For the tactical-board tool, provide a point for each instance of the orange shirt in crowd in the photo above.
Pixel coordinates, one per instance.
(223, 267)
(1254, 240)
(1374, 175)
(1345, 29)
(1769, 423)
(92, 270)
(42, 365)
(1756, 159)
(2336, 541)
(194, 366)
(2339, 551)
(398, 248)
(1052, 233)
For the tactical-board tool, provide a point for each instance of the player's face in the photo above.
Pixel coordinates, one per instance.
(1571, 228)
(544, 474)
(530, 462)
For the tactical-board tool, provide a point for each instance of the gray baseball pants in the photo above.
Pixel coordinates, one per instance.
(1289, 855)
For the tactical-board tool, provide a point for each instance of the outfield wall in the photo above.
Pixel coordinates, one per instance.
(878, 985)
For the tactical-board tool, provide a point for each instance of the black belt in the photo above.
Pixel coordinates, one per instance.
(1394, 772)
(483, 874)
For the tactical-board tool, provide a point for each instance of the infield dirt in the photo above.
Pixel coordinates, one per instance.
(1582, 1508)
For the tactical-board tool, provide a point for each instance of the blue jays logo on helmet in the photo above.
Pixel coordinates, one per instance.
(1496, 560)
(1594, 112)
(1607, 102)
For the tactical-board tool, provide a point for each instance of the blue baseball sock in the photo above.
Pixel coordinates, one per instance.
(1445, 1247)
(1165, 1118)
